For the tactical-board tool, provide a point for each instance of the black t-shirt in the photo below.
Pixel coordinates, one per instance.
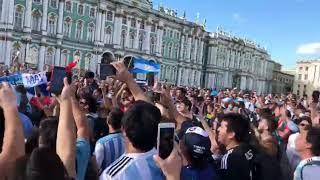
(237, 163)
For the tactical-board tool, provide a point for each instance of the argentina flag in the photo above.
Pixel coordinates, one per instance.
(144, 66)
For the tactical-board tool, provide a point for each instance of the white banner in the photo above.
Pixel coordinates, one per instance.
(32, 80)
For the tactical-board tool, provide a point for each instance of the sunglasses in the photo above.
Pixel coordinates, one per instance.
(303, 124)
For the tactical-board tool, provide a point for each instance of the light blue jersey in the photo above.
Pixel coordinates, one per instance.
(308, 169)
(108, 149)
(134, 166)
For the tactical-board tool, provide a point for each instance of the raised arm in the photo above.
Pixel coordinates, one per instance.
(83, 130)
(124, 75)
(66, 136)
(13, 141)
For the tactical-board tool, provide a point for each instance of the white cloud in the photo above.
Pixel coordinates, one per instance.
(309, 48)
(237, 18)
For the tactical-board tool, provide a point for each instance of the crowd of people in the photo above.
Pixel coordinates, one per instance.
(107, 129)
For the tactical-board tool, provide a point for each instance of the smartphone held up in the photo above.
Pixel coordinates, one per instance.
(165, 140)
(56, 79)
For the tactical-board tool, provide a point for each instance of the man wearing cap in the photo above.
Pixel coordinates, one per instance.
(195, 147)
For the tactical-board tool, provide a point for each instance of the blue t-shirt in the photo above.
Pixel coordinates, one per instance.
(26, 124)
(190, 173)
(82, 157)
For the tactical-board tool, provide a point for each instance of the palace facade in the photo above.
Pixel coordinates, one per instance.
(42, 33)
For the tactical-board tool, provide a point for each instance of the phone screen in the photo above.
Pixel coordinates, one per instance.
(107, 70)
(156, 96)
(165, 142)
(57, 77)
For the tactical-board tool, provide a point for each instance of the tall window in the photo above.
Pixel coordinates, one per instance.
(80, 9)
(67, 27)
(52, 24)
(141, 37)
(79, 30)
(170, 50)
(142, 25)
(176, 51)
(54, 3)
(35, 1)
(91, 31)
(49, 56)
(18, 18)
(153, 28)
(109, 16)
(64, 61)
(184, 54)
(133, 23)
(36, 20)
(92, 12)
(68, 6)
(153, 45)
(124, 20)
(123, 38)
(164, 33)
(77, 55)
(131, 43)
(108, 36)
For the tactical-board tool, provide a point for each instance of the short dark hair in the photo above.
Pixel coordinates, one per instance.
(238, 124)
(48, 132)
(140, 123)
(89, 74)
(186, 102)
(114, 118)
(313, 137)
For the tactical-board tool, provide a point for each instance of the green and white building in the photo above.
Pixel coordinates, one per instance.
(54, 32)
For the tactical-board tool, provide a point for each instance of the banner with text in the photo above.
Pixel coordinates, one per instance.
(32, 80)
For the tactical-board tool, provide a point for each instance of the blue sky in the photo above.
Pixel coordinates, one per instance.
(290, 29)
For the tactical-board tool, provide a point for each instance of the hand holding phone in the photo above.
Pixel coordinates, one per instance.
(165, 140)
(107, 70)
(57, 76)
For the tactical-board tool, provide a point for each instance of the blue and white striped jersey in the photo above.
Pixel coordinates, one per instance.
(108, 149)
(134, 166)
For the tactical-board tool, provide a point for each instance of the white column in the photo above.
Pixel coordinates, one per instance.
(98, 26)
(117, 30)
(57, 57)
(3, 12)
(8, 53)
(159, 40)
(195, 52)
(103, 24)
(146, 43)
(60, 19)
(27, 17)
(228, 58)
(179, 76)
(243, 83)
(201, 52)
(189, 48)
(136, 40)
(214, 55)
(41, 57)
(127, 41)
(44, 17)
(182, 46)
(8, 13)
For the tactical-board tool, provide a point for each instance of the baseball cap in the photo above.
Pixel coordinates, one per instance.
(197, 142)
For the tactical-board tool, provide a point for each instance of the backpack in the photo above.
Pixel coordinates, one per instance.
(265, 167)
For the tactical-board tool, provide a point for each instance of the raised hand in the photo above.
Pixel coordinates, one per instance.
(7, 96)
(123, 74)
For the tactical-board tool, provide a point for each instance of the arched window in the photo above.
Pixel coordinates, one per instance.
(141, 37)
(153, 28)
(17, 53)
(49, 59)
(36, 20)
(124, 20)
(153, 45)
(133, 23)
(91, 31)
(132, 37)
(64, 61)
(18, 17)
(68, 6)
(54, 3)
(109, 16)
(79, 30)
(123, 38)
(108, 36)
(176, 51)
(170, 50)
(67, 27)
(80, 9)
(52, 24)
(142, 25)
(32, 56)
(163, 47)
(185, 48)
